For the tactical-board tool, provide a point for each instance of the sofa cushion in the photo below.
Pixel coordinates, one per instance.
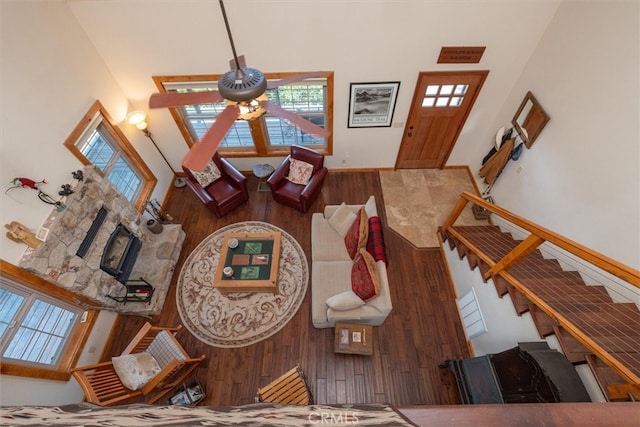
(346, 300)
(375, 241)
(135, 370)
(299, 171)
(358, 233)
(326, 244)
(365, 277)
(341, 219)
(209, 174)
(328, 278)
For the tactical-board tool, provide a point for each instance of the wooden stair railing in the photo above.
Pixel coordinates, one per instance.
(611, 331)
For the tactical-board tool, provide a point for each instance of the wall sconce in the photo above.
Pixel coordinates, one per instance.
(137, 119)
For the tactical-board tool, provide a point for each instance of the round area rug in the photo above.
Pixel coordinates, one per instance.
(242, 318)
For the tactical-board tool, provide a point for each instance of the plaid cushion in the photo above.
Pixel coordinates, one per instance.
(164, 349)
(375, 242)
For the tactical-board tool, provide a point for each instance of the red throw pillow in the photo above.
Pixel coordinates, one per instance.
(356, 237)
(365, 278)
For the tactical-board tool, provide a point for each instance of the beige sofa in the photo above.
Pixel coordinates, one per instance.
(331, 274)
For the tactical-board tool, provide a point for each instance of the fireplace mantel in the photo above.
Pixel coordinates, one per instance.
(56, 260)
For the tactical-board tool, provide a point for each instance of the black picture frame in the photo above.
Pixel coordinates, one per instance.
(372, 104)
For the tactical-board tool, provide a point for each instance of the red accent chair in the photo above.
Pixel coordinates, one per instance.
(298, 196)
(225, 193)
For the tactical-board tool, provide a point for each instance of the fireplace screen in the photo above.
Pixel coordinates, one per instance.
(120, 253)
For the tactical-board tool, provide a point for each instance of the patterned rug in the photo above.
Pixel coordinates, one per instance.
(239, 319)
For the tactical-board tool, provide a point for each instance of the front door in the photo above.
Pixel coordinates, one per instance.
(441, 104)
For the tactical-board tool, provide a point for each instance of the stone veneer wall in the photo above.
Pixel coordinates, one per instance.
(56, 260)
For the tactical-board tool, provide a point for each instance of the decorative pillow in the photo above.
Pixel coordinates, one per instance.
(135, 370)
(346, 300)
(356, 237)
(341, 219)
(299, 171)
(375, 241)
(365, 277)
(208, 175)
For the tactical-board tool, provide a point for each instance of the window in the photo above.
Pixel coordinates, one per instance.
(444, 95)
(269, 135)
(43, 328)
(96, 141)
(34, 329)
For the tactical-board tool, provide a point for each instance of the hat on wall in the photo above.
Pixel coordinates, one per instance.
(503, 134)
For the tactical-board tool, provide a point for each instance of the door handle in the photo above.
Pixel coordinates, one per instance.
(410, 134)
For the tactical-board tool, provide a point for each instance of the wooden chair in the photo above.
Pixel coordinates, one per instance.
(100, 382)
(289, 389)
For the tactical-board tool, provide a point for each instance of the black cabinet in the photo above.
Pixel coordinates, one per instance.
(528, 373)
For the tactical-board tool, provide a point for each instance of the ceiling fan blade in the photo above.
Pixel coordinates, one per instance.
(293, 79)
(176, 99)
(295, 120)
(202, 151)
(241, 61)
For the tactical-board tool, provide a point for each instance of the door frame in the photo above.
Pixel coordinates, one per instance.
(416, 96)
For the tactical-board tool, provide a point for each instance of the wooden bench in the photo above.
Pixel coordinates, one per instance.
(290, 388)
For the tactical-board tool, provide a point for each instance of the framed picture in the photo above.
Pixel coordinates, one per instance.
(372, 104)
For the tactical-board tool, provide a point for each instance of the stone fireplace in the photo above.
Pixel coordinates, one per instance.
(98, 218)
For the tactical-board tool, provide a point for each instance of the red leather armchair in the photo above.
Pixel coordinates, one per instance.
(298, 196)
(225, 193)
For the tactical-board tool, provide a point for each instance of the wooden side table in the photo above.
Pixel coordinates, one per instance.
(353, 339)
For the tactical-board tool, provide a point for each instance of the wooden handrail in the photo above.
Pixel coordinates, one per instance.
(599, 260)
(537, 236)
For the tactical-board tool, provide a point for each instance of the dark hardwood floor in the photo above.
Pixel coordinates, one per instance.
(422, 331)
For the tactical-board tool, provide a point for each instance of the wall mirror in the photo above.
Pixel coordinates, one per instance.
(530, 119)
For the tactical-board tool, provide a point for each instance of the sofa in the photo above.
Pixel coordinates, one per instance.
(333, 268)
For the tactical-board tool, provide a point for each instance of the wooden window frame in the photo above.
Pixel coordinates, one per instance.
(77, 339)
(258, 127)
(149, 179)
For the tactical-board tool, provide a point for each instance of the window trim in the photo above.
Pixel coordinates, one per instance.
(149, 179)
(77, 339)
(258, 127)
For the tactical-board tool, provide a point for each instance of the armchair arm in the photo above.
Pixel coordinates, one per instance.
(230, 171)
(314, 184)
(234, 176)
(279, 174)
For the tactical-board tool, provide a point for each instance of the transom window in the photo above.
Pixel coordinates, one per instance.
(96, 141)
(34, 329)
(444, 95)
(312, 99)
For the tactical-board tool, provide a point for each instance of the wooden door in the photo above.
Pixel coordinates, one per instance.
(441, 104)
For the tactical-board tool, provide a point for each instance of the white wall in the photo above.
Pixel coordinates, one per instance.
(581, 178)
(360, 41)
(50, 75)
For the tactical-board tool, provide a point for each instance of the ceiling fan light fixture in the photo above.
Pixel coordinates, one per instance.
(250, 110)
(242, 86)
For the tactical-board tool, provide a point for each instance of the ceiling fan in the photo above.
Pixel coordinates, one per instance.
(243, 89)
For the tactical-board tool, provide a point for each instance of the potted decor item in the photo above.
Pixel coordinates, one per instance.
(154, 226)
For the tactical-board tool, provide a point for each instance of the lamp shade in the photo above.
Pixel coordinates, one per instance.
(136, 118)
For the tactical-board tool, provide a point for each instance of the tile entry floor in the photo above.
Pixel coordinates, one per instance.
(418, 201)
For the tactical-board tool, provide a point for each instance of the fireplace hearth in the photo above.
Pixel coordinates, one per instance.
(97, 243)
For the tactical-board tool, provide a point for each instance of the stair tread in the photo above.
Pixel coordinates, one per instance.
(615, 327)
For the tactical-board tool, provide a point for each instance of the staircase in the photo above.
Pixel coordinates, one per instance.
(590, 327)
